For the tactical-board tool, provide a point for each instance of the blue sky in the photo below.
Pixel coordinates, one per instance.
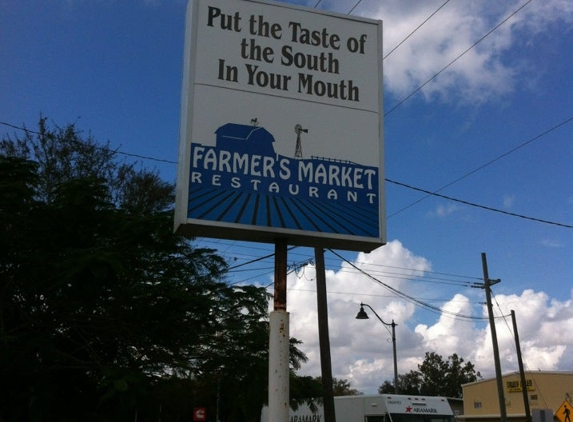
(115, 68)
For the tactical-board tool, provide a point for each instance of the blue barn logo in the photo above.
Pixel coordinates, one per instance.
(242, 180)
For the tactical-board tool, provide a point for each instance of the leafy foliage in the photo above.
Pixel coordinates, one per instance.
(435, 377)
(408, 384)
(105, 313)
(341, 387)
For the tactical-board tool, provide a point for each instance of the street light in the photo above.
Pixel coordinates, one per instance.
(363, 315)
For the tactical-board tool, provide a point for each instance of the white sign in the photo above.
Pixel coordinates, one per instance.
(281, 128)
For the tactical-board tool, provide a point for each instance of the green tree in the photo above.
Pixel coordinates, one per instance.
(105, 312)
(340, 387)
(436, 377)
(409, 383)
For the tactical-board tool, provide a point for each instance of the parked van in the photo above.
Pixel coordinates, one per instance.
(378, 408)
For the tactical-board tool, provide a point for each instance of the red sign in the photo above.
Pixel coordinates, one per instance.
(199, 414)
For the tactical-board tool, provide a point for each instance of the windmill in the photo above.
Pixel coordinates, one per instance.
(298, 149)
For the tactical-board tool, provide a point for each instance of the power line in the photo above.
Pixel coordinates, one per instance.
(405, 276)
(413, 277)
(429, 193)
(409, 35)
(356, 5)
(505, 154)
(539, 220)
(425, 271)
(457, 279)
(435, 277)
(128, 154)
(418, 27)
(407, 297)
(371, 295)
(430, 277)
(456, 59)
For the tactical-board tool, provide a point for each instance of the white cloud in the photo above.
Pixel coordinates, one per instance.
(508, 201)
(551, 243)
(484, 72)
(546, 343)
(445, 210)
(361, 350)
(449, 334)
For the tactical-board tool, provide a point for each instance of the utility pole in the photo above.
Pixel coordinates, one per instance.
(487, 285)
(323, 337)
(521, 371)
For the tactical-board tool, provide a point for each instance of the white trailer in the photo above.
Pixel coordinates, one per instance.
(377, 408)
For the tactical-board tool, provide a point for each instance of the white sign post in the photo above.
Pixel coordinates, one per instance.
(281, 138)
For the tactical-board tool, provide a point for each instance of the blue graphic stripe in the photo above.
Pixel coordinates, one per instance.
(291, 213)
(290, 219)
(354, 216)
(323, 216)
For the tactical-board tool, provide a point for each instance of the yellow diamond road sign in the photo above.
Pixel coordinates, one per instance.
(564, 413)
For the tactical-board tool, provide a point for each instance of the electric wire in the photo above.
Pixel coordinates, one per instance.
(456, 59)
(376, 268)
(418, 27)
(433, 275)
(257, 259)
(405, 296)
(424, 271)
(355, 6)
(419, 302)
(127, 154)
(391, 110)
(409, 298)
(505, 154)
(394, 275)
(429, 193)
(371, 295)
(512, 340)
(435, 193)
(473, 204)
(409, 35)
(407, 275)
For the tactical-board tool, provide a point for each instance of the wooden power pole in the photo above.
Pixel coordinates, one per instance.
(521, 371)
(487, 285)
(323, 336)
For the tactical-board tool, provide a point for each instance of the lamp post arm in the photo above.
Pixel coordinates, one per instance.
(393, 325)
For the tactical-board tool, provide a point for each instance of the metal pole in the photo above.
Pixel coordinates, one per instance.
(521, 371)
(488, 283)
(323, 337)
(396, 388)
(279, 341)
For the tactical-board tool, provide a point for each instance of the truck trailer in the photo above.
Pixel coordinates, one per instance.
(377, 408)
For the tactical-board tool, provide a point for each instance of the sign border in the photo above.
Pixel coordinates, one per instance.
(223, 230)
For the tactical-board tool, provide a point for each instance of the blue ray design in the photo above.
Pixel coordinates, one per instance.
(243, 181)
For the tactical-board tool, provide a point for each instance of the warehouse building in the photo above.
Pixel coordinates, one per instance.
(550, 396)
